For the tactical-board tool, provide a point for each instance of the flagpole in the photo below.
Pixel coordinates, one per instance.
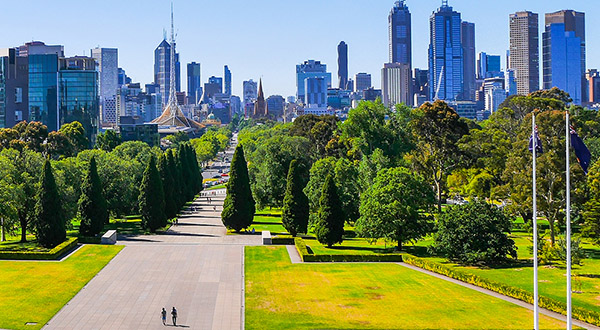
(568, 211)
(536, 320)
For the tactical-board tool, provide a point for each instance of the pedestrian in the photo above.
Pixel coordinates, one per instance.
(174, 315)
(215, 208)
(163, 314)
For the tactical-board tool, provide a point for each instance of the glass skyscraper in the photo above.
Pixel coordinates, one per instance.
(78, 94)
(43, 90)
(343, 66)
(194, 82)
(399, 25)
(310, 69)
(446, 59)
(562, 61)
(524, 53)
(162, 69)
(227, 81)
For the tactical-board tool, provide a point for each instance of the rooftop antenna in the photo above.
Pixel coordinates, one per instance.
(164, 34)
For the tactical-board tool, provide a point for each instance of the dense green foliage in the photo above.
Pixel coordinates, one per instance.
(49, 221)
(329, 224)
(152, 199)
(93, 211)
(395, 206)
(108, 140)
(295, 203)
(239, 206)
(474, 233)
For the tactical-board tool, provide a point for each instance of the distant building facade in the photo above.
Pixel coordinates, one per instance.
(162, 69)
(107, 60)
(194, 82)
(310, 69)
(343, 66)
(524, 51)
(362, 81)
(396, 84)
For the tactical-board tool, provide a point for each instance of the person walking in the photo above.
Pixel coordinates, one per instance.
(174, 315)
(163, 314)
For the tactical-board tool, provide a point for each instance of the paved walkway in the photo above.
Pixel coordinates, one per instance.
(194, 267)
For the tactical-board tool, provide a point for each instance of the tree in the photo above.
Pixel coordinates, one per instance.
(92, 204)
(49, 217)
(395, 207)
(168, 183)
(59, 145)
(75, 132)
(369, 167)
(108, 140)
(177, 139)
(329, 227)
(238, 207)
(591, 214)
(152, 198)
(176, 174)
(474, 233)
(295, 203)
(436, 129)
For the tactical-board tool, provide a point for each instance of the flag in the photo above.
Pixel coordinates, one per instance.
(581, 151)
(538, 143)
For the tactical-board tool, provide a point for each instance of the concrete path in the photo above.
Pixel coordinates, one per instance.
(194, 267)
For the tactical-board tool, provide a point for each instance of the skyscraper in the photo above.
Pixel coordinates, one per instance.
(310, 69)
(14, 78)
(227, 81)
(446, 60)
(162, 69)
(194, 82)
(78, 94)
(488, 66)
(524, 51)
(275, 106)
(593, 78)
(250, 89)
(396, 84)
(362, 81)
(343, 65)
(399, 26)
(108, 68)
(564, 33)
(43, 82)
(468, 42)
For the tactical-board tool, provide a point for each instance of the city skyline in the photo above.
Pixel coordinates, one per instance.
(235, 45)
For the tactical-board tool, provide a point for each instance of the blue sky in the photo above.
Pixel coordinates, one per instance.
(262, 38)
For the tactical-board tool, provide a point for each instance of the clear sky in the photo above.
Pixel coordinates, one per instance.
(262, 38)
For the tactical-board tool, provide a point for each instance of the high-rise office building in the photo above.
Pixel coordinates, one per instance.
(250, 91)
(467, 33)
(315, 100)
(488, 66)
(593, 83)
(310, 69)
(78, 94)
(14, 81)
(420, 86)
(446, 60)
(562, 61)
(107, 60)
(227, 81)
(194, 82)
(43, 82)
(124, 79)
(343, 66)
(275, 106)
(510, 82)
(564, 33)
(396, 84)
(495, 93)
(362, 81)
(162, 69)
(218, 81)
(524, 51)
(399, 26)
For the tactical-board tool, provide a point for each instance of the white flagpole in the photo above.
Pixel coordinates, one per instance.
(568, 211)
(536, 310)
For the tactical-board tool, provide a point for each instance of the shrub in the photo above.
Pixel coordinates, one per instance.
(283, 240)
(53, 254)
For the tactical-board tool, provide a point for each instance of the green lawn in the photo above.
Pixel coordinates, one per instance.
(280, 295)
(219, 186)
(35, 291)
(267, 219)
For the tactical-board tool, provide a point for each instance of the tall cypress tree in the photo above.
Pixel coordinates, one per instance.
(197, 170)
(168, 187)
(239, 206)
(93, 209)
(152, 198)
(186, 173)
(329, 227)
(177, 179)
(295, 202)
(49, 221)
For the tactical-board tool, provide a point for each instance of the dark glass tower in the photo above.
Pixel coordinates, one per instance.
(227, 81)
(194, 82)
(468, 43)
(399, 25)
(162, 67)
(343, 65)
(446, 59)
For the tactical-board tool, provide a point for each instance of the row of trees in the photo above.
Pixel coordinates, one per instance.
(390, 167)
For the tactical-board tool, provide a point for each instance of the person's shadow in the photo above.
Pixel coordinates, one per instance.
(178, 326)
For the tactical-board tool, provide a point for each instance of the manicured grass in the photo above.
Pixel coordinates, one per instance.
(349, 246)
(35, 291)
(280, 295)
(219, 186)
(267, 219)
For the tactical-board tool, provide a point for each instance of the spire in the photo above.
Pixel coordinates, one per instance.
(444, 3)
(261, 95)
(172, 96)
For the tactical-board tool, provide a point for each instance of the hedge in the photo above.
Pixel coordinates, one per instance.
(53, 254)
(309, 257)
(579, 313)
(282, 240)
(90, 240)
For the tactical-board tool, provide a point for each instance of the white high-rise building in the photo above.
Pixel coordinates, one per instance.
(495, 93)
(107, 60)
(396, 84)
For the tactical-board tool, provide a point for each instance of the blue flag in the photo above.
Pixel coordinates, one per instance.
(581, 151)
(538, 143)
